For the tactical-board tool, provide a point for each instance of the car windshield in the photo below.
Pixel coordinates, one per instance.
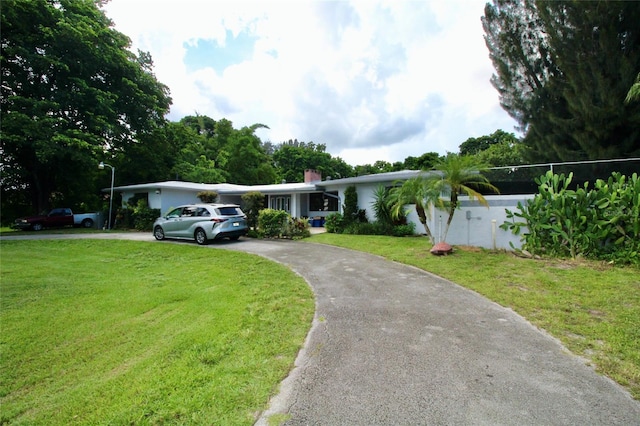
(175, 212)
(229, 211)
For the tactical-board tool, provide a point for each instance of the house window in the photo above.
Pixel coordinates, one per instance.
(323, 202)
(281, 203)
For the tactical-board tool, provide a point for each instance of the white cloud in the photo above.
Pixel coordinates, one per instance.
(373, 80)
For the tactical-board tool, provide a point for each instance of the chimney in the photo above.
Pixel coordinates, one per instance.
(311, 175)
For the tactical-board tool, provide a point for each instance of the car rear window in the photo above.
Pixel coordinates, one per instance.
(229, 211)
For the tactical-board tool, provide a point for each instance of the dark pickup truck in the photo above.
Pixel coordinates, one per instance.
(57, 218)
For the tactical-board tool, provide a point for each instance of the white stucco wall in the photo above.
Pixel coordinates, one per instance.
(476, 228)
(174, 198)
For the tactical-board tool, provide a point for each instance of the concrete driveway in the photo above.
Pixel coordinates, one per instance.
(393, 345)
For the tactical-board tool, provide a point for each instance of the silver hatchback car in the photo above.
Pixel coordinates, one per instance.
(202, 222)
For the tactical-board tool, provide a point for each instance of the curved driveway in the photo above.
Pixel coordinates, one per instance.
(393, 345)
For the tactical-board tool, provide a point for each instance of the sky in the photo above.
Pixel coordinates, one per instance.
(372, 80)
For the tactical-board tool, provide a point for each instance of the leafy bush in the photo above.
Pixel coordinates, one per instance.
(272, 223)
(600, 223)
(138, 216)
(406, 230)
(297, 228)
(362, 228)
(334, 223)
(279, 224)
(207, 196)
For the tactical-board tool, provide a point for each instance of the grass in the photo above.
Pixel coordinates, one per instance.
(592, 307)
(123, 332)
(6, 230)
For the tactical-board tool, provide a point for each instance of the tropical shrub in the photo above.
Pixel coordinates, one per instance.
(600, 223)
(350, 208)
(380, 228)
(334, 223)
(252, 203)
(297, 228)
(207, 196)
(364, 228)
(382, 208)
(279, 224)
(139, 216)
(272, 223)
(406, 230)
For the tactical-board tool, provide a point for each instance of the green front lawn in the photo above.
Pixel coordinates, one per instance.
(117, 332)
(592, 307)
(122, 332)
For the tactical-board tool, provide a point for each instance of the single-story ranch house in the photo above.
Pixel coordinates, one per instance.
(472, 225)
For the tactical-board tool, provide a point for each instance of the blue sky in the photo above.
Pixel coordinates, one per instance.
(372, 80)
(219, 55)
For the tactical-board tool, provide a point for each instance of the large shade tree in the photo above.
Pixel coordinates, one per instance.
(563, 69)
(475, 145)
(200, 158)
(292, 158)
(247, 163)
(424, 162)
(73, 94)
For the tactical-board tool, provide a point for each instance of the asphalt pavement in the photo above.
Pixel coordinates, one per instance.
(394, 345)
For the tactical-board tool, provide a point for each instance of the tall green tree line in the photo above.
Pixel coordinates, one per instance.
(563, 70)
(72, 94)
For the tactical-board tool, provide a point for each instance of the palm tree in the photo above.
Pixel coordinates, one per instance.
(634, 92)
(459, 174)
(418, 191)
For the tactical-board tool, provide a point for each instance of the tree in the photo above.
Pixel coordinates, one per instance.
(72, 94)
(201, 124)
(379, 166)
(634, 92)
(562, 71)
(364, 169)
(154, 157)
(507, 152)
(340, 169)
(458, 174)
(247, 163)
(197, 160)
(419, 192)
(350, 209)
(292, 158)
(252, 203)
(424, 162)
(202, 170)
(475, 145)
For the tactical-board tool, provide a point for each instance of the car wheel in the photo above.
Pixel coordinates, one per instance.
(158, 232)
(87, 223)
(36, 227)
(201, 236)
